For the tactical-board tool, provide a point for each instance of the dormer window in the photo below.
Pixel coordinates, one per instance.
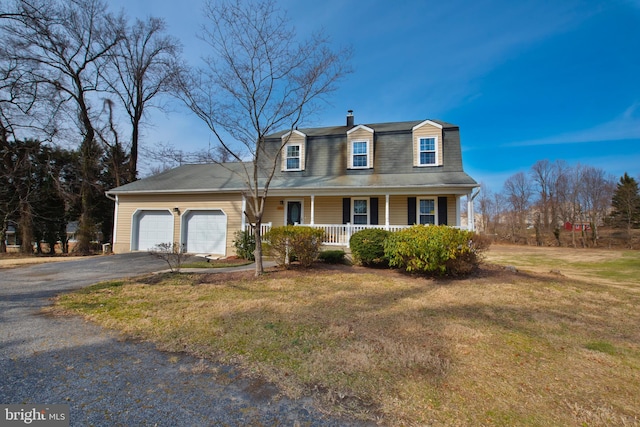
(427, 151)
(360, 147)
(293, 151)
(293, 157)
(360, 154)
(427, 144)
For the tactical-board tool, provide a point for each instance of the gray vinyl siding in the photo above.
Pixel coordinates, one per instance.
(393, 154)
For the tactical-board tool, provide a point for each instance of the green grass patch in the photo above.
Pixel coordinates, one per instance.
(602, 347)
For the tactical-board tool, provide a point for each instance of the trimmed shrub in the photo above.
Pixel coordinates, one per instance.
(332, 257)
(367, 246)
(245, 244)
(290, 241)
(439, 250)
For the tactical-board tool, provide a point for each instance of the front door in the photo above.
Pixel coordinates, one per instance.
(294, 213)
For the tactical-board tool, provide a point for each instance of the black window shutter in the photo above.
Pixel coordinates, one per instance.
(346, 210)
(411, 210)
(373, 205)
(442, 210)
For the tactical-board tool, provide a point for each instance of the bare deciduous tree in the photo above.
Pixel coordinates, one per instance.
(518, 193)
(70, 43)
(146, 65)
(257, 80)
(542, 172)
(596, 190)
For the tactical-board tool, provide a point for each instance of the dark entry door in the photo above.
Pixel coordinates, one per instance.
(294, 213)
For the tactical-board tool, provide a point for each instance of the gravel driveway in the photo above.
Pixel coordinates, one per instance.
(108, 382)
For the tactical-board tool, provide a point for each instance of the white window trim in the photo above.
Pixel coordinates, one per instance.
(286, 157)
(367, 166)
(353, 210)
(435, 209)
(427, 122)
(435, 151)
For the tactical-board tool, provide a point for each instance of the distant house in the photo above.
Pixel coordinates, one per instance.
(341, 179)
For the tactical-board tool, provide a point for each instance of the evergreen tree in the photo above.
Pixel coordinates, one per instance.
(626, 205)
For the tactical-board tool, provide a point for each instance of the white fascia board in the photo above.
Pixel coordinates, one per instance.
(296, 131)
(368, 129)
(427, 122)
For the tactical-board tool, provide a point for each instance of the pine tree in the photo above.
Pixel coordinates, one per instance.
(626, 205)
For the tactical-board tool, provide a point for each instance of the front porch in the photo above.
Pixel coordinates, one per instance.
(340, 217)
(336, 234)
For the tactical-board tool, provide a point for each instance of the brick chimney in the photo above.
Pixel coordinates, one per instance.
(350, 118)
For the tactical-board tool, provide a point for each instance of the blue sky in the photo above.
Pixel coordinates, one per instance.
(524, 80)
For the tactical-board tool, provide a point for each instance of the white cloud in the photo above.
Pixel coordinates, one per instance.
(624, 127)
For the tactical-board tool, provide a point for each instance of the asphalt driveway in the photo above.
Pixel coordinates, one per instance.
(109, 382)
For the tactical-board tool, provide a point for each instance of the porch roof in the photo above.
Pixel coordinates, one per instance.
(226, 178)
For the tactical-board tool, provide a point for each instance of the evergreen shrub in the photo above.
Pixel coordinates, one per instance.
(367, 246)
(245, 244)
(439, 250)
(332, 256)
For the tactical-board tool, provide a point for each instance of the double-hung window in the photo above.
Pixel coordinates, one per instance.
(427, 211)
(360, 154)
(293, 157)
(427, 151)
(360, 211)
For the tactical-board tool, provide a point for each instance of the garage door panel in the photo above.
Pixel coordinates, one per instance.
(154, 227)
(206, 232)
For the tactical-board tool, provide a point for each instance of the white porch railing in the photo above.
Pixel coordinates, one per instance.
(264, 227)
(340, 234)
(337, 234)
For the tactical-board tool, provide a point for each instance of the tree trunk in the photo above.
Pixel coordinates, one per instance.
(133, 158)
(257, 232)
(88, 158)
(26, 228)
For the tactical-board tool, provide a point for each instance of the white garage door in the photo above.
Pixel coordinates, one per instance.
(153, 228)
(206, 232)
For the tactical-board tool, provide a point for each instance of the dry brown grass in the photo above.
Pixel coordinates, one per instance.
(500, 348)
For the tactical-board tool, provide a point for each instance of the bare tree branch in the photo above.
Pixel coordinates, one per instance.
(258, 79)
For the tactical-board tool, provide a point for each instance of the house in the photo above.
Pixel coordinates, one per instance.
(342, 179)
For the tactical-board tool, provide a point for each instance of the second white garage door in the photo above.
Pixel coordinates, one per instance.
(206, 232)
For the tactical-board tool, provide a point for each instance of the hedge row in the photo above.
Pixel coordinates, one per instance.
(439, 250)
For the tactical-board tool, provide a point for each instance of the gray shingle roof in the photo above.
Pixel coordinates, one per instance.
(377, 127)
(325, 169)
(225, 178)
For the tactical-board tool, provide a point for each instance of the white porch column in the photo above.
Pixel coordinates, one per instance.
(242, 215)
(471, 223)
(386, 211)
(114, 236)
(313, 209)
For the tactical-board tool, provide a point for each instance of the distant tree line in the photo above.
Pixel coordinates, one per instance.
(71, 74)
(555, 198)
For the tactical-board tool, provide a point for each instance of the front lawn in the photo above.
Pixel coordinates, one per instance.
(501, 348)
